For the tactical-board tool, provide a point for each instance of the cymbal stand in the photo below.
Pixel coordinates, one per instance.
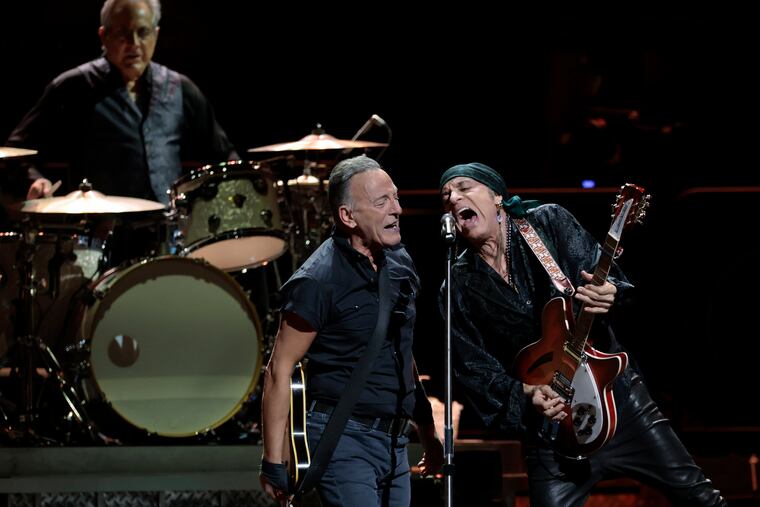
(310, 215)
(29, 346)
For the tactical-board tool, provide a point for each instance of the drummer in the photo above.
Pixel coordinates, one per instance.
(121, 120)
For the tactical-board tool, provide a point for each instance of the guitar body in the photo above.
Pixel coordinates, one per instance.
(585, 384)
(300, 459)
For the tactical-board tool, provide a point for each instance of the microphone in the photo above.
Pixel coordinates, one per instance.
(373, 120)
(378, 121)
(448, 228)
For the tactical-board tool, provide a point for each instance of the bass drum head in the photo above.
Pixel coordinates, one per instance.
(175, 345)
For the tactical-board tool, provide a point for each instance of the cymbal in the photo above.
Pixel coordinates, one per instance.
(318, 142)
(90, 202)
(305, 180)
(10, 152)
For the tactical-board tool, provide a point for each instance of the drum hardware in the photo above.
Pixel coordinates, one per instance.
(306, 194)
(31, 355)
(65, 241)
(310, 217)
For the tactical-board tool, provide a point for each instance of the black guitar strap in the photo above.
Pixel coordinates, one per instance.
(342, 412)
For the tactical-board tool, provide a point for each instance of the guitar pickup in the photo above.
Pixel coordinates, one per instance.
(570, 351)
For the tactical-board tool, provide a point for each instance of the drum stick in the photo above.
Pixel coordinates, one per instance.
(55, 187)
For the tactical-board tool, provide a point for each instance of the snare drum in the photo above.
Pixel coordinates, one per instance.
(174, 345)
(229, 214)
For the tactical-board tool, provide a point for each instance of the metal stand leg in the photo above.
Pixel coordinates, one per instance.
(33, 358)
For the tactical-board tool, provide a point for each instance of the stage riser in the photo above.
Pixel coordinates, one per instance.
(142, 499)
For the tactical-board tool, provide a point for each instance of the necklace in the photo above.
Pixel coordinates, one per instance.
(508, 251)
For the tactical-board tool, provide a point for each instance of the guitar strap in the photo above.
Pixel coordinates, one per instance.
(560, 281)
(342, 412)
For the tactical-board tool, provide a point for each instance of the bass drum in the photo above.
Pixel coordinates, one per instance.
(174, 346)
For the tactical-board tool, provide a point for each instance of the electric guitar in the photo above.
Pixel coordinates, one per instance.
(564, 360)
(297, 443)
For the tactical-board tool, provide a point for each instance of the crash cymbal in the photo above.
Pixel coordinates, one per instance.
(89, 202)
(319, 141)
(10, 152)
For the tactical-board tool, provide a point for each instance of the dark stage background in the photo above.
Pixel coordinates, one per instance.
(667, 102)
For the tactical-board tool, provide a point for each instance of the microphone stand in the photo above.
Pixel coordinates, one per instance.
(448, 431)
(372, 121)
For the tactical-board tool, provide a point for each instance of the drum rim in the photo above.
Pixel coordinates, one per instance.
(240, 168)
(87, 324)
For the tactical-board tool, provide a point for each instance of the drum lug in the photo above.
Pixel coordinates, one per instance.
(239, 200)
(180, 202)
(95, 296)
(213, 223)
(260, 185)
(266, 216)
(209, 191)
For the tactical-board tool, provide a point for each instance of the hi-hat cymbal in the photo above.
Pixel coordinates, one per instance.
(90, 202)
(10, 152)
(318, 142)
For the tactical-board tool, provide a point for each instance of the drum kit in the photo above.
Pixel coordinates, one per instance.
(121, 320)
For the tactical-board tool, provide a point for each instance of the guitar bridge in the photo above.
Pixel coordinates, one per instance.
(563, 386)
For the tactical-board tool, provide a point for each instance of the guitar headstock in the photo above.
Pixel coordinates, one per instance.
(630, 207)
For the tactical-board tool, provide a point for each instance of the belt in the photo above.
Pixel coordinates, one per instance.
(394, 426)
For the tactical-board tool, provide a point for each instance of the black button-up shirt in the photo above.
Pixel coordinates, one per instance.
(86, 118)
(336, 292)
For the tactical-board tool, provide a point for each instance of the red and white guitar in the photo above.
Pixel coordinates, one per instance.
(564, 359)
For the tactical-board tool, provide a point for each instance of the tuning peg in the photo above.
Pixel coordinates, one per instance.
(642, 209)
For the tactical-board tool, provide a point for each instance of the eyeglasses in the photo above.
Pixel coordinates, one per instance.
(143, 34)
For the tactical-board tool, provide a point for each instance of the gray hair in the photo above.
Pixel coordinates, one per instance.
(108, 6)
(337, 190)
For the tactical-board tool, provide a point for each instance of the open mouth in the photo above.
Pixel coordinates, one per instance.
(467, 216)
(392, 227)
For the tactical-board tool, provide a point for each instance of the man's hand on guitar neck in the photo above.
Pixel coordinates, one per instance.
(546, 401)
(596, 298)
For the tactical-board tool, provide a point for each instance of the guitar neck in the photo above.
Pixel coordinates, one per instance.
(585, 320)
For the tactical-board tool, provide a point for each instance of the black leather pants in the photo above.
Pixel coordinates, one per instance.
(644, 448)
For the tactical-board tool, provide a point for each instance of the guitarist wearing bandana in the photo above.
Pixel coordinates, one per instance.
(523, 297)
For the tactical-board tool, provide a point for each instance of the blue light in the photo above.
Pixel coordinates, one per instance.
(588, 183)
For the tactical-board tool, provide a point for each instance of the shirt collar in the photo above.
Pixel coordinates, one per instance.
(111, 72)
(341, 239)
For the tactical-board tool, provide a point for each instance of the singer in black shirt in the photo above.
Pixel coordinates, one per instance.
(329, 315)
